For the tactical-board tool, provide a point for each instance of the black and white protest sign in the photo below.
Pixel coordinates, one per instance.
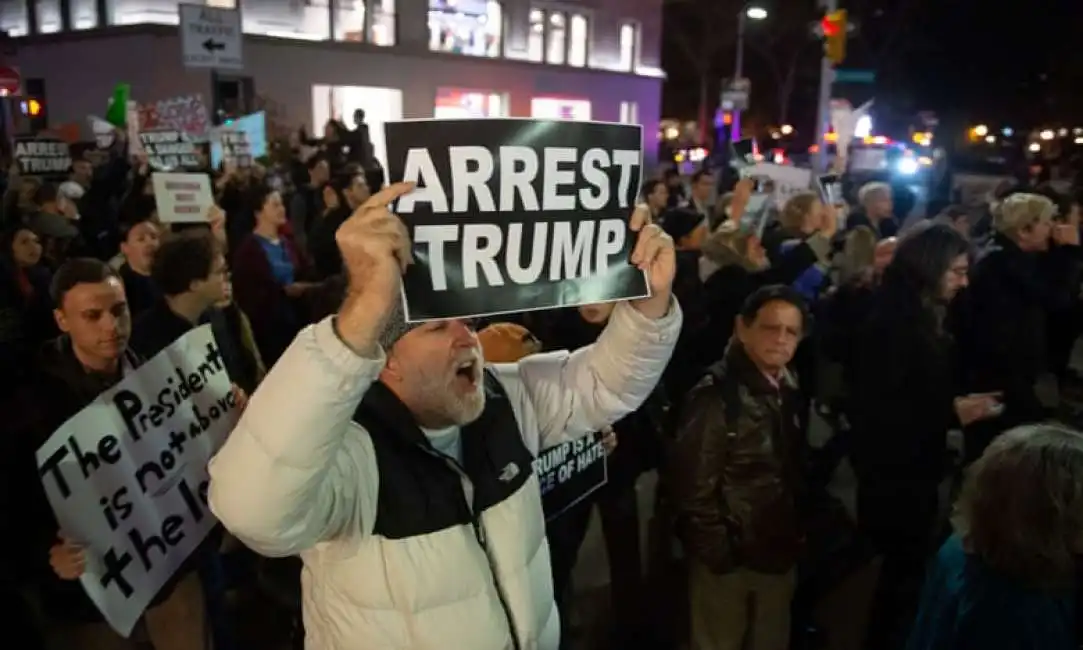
(169, 150)
(236, 149)
(47, 157)
(127, 476)
(513, 215)
(570, 472)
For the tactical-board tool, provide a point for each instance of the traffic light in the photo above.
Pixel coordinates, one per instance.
(33, 105)
(835, 27)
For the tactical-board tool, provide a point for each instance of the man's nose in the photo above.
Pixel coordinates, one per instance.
(462, 331)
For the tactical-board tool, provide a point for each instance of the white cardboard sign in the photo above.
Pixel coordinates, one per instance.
(182, 198)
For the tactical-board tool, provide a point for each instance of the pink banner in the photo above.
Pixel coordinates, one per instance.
(186, 113)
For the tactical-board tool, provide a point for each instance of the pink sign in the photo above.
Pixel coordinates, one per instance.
(186, 113)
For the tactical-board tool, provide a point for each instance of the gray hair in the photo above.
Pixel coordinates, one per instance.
(869, 191)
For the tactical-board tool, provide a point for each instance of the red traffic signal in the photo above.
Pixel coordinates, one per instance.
(830, 26)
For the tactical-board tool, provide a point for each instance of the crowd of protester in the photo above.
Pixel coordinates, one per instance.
(892, 336)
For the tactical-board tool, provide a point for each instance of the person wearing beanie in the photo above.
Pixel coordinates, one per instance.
(399, 466)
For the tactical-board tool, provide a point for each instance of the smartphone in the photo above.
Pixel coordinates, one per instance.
(756, 214)
(830, 187)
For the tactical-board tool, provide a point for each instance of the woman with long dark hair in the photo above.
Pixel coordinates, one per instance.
(904, 401)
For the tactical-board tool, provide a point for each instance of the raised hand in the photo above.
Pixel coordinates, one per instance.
(654, 254)
(375, 248)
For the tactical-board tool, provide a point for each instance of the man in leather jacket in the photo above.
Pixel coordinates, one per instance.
(737, 481)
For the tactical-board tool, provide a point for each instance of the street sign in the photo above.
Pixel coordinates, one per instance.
(735, 95)
(855, 76)
(211, 37)
(11, 82)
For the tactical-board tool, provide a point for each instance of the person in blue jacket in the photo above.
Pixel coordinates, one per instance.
(1005, 579)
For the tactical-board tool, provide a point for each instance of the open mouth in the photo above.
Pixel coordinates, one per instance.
(468, 371)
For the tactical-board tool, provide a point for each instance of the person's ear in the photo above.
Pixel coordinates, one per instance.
(393, 368)
(61, 320)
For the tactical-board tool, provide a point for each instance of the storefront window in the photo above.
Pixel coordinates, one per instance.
(13, 17)
(472, 27)
(84, 14)
(577, 44)
(48, 16)
(381, 105)
(457, 103)
(629, 46)
(559, 108)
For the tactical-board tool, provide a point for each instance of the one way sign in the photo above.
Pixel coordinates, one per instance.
(211, 37)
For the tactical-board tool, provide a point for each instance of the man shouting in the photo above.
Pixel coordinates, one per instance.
(399, 466)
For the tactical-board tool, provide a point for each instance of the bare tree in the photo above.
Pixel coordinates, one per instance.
(704, 30)
(786, 44)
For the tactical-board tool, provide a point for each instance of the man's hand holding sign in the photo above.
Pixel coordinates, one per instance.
(381, 441)
(655, 255)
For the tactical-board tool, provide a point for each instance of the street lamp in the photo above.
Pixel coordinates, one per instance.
(756, 13)
(748, 12)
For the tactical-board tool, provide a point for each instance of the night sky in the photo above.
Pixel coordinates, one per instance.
(969, 60)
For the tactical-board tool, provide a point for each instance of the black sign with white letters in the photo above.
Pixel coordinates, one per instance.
(570, 472)
(516, 215)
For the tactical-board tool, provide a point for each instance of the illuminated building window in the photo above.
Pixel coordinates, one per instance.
(629, 113)
(457, 103)
(471, 27)
(629, 45)
(557, 38)
(13, 17)
(536, 41)
(48, 16)
(577, 43)
(560, 108)
(309, 20)
(84, 14)
(142, 12)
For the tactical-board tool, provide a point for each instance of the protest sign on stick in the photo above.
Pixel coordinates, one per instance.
(513, 215)
(127, 476)
(570, 472)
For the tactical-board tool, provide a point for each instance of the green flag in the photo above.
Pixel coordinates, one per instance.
(117, 113)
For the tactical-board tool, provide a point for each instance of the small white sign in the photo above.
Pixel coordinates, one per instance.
(211, 37)
(182, 198)
(788, 181)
